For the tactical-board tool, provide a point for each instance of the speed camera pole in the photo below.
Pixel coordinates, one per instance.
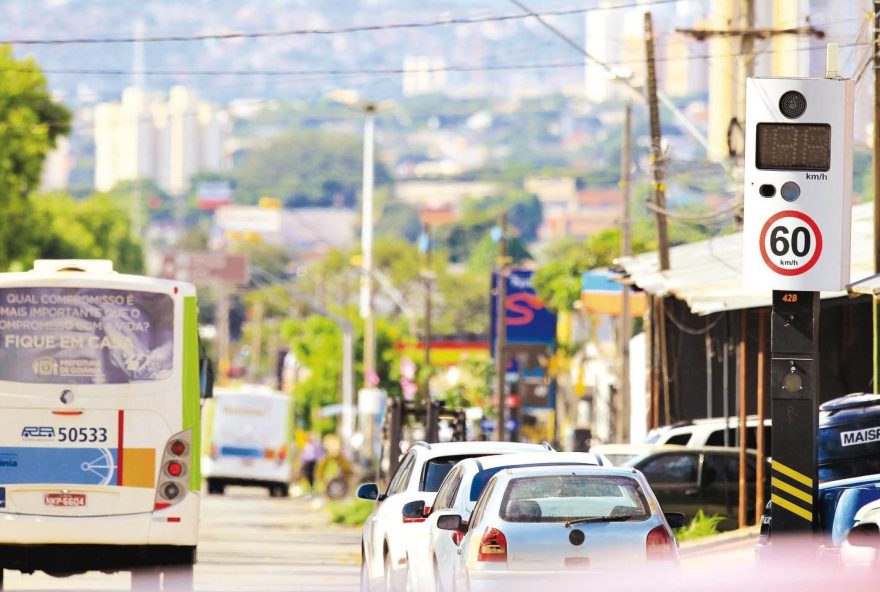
(796, 233)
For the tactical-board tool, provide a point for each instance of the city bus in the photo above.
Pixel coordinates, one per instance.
(101, 382)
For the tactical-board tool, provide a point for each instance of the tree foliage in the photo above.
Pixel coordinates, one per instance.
(30, 123)
(92, 228)
(305, 168)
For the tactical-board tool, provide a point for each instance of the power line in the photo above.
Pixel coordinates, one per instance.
(335, 31)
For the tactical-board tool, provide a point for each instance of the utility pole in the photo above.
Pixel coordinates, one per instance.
(623, 392)
(427, 277)
(501, 329)
(366, 290)
(876, 55)
(221, 322)
(257, 313)
(741, 12)
(659, 206)
(657, 156)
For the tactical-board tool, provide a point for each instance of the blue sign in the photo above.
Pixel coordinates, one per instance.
(488, 425)
(528, 320)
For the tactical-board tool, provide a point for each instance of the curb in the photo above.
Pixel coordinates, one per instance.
(734, 537)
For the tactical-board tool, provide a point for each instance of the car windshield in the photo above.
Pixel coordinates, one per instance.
(563, 498)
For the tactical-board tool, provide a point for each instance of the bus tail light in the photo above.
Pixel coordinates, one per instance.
(172, 485)
(659, 544)
(493, 547)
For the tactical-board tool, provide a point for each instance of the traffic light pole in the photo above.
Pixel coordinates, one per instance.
(794, 380)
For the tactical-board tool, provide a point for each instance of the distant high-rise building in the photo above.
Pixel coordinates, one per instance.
(57, 167)
(145, 136)
(423, 75)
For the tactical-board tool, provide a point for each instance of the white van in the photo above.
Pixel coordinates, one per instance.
(249, 435)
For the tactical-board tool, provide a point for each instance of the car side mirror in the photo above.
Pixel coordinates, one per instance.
(449, 522)
(864, 535)
(206, 378)
(675, 519)
(414, 510)
(368, 491)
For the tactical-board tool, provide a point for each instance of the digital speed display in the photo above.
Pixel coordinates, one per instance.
(793, 147)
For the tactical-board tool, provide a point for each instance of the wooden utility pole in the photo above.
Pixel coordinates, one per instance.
(657, 156)
(743, 402)
(876, 54)
(258, 312)
(501, 329)
(659, 206)
(623, 392)
(763, 322)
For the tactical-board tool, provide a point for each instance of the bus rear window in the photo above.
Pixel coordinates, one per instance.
(85, 335)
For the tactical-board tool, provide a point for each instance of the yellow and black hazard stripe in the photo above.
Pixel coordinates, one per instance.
(792, 490)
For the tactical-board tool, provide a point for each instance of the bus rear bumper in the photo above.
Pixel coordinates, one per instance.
(176, 526)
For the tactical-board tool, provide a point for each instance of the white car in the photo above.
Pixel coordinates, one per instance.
(534, 525)
(434, 551)
(384, 544)
(859, 551)
(709, 432)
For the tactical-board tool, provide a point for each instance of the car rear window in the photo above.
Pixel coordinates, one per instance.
(559, 498)
(482, 478)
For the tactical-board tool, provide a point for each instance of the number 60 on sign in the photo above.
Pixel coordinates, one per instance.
(790, 243)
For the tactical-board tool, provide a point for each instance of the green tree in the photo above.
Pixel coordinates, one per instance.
(30, 123)
(92, 228)
(305, 168)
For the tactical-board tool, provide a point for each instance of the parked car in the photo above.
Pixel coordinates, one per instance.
(434, 549)
(532, 523)
(691, 479)
(418, 477)
(698, 433)
(619, 454)
(859, 550)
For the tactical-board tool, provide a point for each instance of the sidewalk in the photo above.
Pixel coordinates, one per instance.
(732, 538)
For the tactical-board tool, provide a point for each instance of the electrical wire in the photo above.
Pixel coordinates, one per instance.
(336, 31)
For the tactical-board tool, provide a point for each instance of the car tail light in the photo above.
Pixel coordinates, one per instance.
(457, 537)
(282, 453)
(659, 544)
(493, 547)
(172, 485)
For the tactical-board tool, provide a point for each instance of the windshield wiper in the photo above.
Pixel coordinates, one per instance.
(623, 518)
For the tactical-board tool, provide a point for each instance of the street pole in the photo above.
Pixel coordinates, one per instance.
(428, 286)
(624, 396)
(366, 290)
(221, 322)
(876, 58)
(501, 329)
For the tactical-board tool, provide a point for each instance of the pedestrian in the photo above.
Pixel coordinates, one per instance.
(312, 453)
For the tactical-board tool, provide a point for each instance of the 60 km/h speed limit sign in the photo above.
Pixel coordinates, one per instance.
(790, 243)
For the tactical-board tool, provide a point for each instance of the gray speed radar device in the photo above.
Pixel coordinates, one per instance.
(796, 242)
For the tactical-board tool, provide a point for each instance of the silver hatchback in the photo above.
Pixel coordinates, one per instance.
(532, 525)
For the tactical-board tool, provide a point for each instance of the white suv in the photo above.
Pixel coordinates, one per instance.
(709, 432)
(384, 546)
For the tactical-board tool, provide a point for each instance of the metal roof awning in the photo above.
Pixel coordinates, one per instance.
(707, 275)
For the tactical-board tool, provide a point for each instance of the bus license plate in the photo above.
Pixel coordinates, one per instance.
(65, 500)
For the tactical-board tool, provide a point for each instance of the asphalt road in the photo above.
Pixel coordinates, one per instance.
(248, 542)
